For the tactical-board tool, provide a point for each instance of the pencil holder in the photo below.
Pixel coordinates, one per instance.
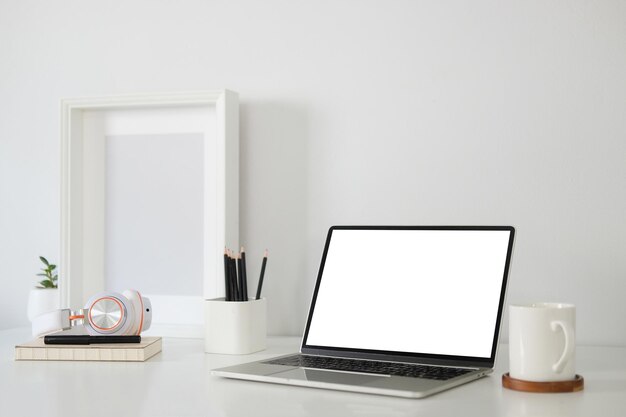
(235, 327)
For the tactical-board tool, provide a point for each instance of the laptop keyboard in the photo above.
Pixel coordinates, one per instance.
(440, 373)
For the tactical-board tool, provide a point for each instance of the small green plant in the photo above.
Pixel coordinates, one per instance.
(50, 277)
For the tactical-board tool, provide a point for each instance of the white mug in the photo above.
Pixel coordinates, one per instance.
(542, 342)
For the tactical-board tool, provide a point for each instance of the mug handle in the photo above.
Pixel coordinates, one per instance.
(568, 351)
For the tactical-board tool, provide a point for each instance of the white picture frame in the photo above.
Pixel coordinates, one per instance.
(81, 269)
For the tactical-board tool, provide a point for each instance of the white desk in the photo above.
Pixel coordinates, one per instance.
(177, 383)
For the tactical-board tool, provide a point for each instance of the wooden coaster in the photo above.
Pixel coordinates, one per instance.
(577, 384)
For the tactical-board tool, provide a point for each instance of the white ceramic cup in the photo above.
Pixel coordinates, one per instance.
(235, 327)
(542, 342)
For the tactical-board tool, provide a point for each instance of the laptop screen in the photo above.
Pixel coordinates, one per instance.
(413, 290)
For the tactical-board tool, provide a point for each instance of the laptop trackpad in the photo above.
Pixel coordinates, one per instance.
(332, 377)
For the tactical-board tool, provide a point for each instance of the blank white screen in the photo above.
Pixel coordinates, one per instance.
(420, 291)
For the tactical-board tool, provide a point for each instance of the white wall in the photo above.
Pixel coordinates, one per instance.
(396, 112)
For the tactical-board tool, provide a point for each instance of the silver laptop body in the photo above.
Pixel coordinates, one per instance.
(404, 311)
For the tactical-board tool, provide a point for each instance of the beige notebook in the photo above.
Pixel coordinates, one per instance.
(36, 350)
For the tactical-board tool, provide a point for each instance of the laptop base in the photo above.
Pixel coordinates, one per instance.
(395, 386)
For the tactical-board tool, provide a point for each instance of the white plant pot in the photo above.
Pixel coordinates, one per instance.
(42, 300)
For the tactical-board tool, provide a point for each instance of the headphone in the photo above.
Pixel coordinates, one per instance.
(107, 313)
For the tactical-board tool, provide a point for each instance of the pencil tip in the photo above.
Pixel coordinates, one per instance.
(265, 253)
(242, 250)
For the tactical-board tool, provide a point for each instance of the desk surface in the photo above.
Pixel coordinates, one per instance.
(177, 383)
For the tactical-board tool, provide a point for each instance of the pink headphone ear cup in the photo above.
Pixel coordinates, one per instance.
(137, 315)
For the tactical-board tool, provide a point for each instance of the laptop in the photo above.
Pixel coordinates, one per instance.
(405, 311)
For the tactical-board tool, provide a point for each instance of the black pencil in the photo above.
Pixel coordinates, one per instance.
(260, 286)
(239, 277)
(228, 284)
(233, 279)
(226, 288)
(233, 294)
(244, 276)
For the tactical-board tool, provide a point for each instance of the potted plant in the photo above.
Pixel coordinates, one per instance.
(45, 296)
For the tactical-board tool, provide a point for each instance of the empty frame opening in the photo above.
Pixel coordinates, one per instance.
(154, 213)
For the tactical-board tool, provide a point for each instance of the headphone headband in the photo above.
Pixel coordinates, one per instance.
(52, 321)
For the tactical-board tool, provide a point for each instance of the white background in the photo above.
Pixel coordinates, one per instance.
(420, 291)
(358, 112)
